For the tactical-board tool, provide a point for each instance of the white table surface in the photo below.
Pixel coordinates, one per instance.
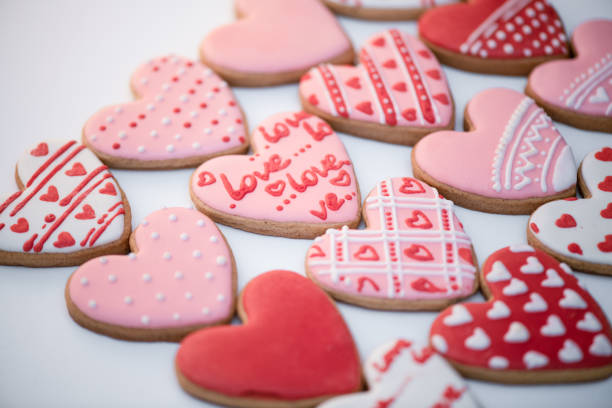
(61, 62)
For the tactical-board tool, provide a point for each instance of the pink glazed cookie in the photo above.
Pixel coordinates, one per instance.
(413, 255)
(397, 94)
(511, 160)
(579, 91)
(275, 42)
(384, 9)
(184, 114)
(298, 183)
(180, 277)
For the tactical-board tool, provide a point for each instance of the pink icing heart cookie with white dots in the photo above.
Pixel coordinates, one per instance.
(184, 114)
(579, 232)
(299, 182)
(397, 94)
(384, 9)
(510, 160)
(579, 91)
(413, 255)
(539, 325)
(180, 277)
(69, 208)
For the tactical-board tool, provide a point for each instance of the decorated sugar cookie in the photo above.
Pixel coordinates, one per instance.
(402, 374)
(397, 94)
(539, 325)
(413, 254)
(510, 160)
(299, 181)
(275, 42)
(180, 277)
(293, 350)
(69, 208)
(579, 91)
(184, 114)
(507, 37)
(384, 9)
(579, 232)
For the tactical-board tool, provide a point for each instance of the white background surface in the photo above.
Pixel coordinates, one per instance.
(62, 61)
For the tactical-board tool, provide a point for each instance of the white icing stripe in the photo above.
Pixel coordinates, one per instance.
(590, 83)
(535, 127)
(517, 141)
(340, 86)
(332, 106)
(546, 165)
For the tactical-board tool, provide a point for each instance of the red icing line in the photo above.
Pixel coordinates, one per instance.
(84, 241)
(66, 200)
(333, 89)
(95, 237)
(9, 201)
(392, 354)
(27, 246)
(49, 161)
(361, 282)
(381, 92)
(115, 206)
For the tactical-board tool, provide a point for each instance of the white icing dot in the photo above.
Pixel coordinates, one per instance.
(548, 49)
(543, 36)
(150, 107)
(155, 235)
(103, 261)
(145, 319)
(92, 304)
(197, 253)
(205, 310)
(517, 37)
(220, 297)
(530, 12)
(170, 148)
(509, 27)
(543, 17)
(207, 131)
(193, 114)
(536, 44)
(208, 275)
(500, 35)
(112, 278)
(160, 297)
(527, 52)
(178, 136)
(145, 223)
(231, 130)
(184, 236)
(128, 300)
(482, 53)
(165, 87)
(535, 23)
(210, 95)
(159, 98)
(118, 109)
(527, 30)
(196, 145)
(146, 277)
(183, 98)
(178, 275)
(84, 281)
(519, 20)
(154, 133)
(508, 48)
(166, 121)
(167, 255)
(144, 81)
(213, 239)
(222, 112)
(93, 138)
(172, 217)
(176, 316)
(188, 295)
(122, 135)
(141, 149)
(200, 223)
(110, 119)
(221, 260)
(491, 43)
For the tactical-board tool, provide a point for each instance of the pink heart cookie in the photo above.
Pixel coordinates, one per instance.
(579, 232)
(69, 208)
(180, 277)
(184, 114)
(397, 94)
(275, 42)
(579, 91)
(511, 159)
(413, 254)
(384, 9)
(299, 181)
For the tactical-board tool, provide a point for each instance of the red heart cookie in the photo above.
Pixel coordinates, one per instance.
(538, 326)
(43, 223)
(275, 42)
(293, 349)
(184, 114)
(414, 253)
(397, 94)
(510, 161)
(495, 36)
(383, 9)
(579, 232)
(299, 181)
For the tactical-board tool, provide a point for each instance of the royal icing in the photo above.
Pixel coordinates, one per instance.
(513, 152)
(414, 248)
(70, 202)
(391, 4)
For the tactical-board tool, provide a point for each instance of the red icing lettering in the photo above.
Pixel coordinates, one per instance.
(297, 118)
(247, 185)
(206, 178)
(391, 355)
(320, 214)
(275, 163)
(323, 129)
(280, 130)
(332, 202)
(343, 179)
(276, 189)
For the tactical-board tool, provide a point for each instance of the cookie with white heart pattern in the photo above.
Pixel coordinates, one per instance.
(69, 208)
(383, 10)
(539, 325)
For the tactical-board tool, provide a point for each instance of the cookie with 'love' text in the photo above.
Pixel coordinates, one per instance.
(384, 9)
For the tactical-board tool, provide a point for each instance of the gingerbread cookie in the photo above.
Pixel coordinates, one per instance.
(249, 52)
(299, 181)
(579, 232)
(511, 160)
(184, 115)
(413, 255)
(383, 9)
(508, 37)
(69, 208)
(293, 350)
(539, 325)
(579, 91)
(397, 94)
(181, 277)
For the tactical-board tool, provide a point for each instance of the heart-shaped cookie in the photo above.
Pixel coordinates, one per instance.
(414, 253)
(293, 350)
(184, 115)
(402, 374)
(579, 232)
(539, 325)
(397, 94)
(69, 208)
(510, 161)
(383, 9)
(579, 91)
(506, 37)
(299, 181)
(275, 42)
(180, 277)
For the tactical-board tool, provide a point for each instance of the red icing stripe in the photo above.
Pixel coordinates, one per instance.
(49, 161)
(95, 237)
(381, 92)
(84, 241)
(66, 200)
(115, 206)
(9, 201)
(334, 91)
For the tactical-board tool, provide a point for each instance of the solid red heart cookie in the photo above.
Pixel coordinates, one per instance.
(539, 325)
(383, 9)
(293, 348)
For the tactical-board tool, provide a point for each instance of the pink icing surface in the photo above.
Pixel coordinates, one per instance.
(414, 247)
(183, 110)
(416, 90)
(276, 36)
(583, 84)
(515, 151)
(180, 276)
(308, 173)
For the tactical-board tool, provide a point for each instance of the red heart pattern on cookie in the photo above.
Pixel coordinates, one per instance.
(539, 324)
(413, 254)
(184, 114)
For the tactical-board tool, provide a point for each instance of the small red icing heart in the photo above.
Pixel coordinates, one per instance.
(365, 107)
(87, 213)
(606, 245)
(276, 189)
(343, 179)
(391, 64)
(20, 226)
(313, 100)
(606, 185)
(354, 83)
(419, 252)
(51, 195)
(400, 87)
(565, 221)
(604, 154)
(64, 239)
(574, 248)
(418, 220)
(41, 150)
(379, 42)
(76, 170)
(607, 212)
(366, 253)
(109, 189)
(411, 186)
